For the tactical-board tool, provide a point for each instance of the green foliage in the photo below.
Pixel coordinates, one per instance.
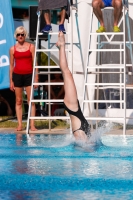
(40, 124)
(44, 60)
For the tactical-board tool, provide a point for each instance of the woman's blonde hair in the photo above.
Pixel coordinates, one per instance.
(20, 29)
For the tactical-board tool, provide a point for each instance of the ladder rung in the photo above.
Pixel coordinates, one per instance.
(106, 84)
(104, 118)
(47, 67)
(75, 43)
(114, 42)
(104, 101)
(49, 117)
(49, 50)
(50, 72)
(108, 66)
(106, 72)
(52, 33)
(129, 65)
(53, 83)
(107, 50)
(109, 72)
(107, 87)
(47, 100)
(107, 33)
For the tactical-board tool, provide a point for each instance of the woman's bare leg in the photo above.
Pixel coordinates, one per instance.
(33, 108)
(18, 93)
(70, 98)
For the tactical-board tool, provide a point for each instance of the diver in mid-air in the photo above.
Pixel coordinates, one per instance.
(80, 126)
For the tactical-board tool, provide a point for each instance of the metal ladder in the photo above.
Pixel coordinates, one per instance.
(117, 68)
(48, 52)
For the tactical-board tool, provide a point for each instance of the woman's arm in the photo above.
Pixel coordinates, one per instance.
(11, 52)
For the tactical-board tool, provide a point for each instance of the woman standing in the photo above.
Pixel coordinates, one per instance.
(21, 68)
(80, 126)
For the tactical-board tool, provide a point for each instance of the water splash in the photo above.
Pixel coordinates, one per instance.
(54, 141)
(95, 140)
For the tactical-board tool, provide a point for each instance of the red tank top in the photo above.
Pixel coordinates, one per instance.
(23, 62)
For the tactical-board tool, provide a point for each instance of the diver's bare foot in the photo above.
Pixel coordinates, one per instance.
(19, 128)
(61, 40)
(33, 128)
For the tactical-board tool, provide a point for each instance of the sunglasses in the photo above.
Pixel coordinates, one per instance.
(20, 34)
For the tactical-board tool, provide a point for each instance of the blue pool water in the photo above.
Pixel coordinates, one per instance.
(53, 167)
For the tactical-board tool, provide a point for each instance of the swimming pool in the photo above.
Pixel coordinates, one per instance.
(52, 167)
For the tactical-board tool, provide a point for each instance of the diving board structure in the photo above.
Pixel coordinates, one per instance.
(51, 48)
(113, 91)
(96, 86)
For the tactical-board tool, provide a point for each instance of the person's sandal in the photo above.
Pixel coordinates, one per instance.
(101, 29)
(116, 29)
(62, 28)
(47, 29)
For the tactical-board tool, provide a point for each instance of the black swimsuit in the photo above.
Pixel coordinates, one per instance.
(84, 124)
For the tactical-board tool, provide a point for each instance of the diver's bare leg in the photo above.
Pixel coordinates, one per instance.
(70, 98)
